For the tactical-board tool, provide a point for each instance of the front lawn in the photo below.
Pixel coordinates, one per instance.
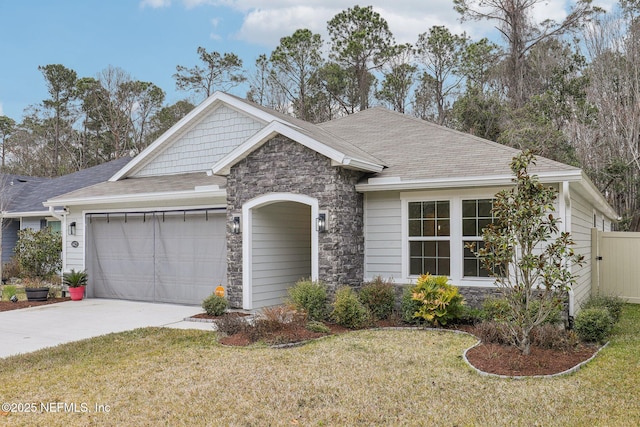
(151, 377)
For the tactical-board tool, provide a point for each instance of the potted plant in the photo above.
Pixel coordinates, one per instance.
(76, 281)
(35, 288)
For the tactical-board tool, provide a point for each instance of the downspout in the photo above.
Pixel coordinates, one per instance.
(565, 200)
(63, 227)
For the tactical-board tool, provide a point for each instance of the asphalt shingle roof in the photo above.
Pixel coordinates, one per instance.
(413, 149)
(32, 192)
(145, 185)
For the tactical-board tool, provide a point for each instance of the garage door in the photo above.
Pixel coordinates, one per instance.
(176, 257)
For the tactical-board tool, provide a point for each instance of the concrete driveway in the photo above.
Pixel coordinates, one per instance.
(31, 329)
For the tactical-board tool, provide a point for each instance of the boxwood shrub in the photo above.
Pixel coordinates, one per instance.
(214, 305)
(593, 324)
(310, 297)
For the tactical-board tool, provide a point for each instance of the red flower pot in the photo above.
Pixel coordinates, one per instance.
(76, 293)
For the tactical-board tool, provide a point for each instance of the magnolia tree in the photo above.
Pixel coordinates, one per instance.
(526, 252)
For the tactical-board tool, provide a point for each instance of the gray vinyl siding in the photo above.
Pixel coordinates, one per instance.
(281, 250)
(9, 238)
(202, 146)
(383, 235)
(581, 225)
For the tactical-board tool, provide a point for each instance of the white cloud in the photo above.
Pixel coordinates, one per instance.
(265, 22)
(1, 110)
(265, 25)
(155, 4)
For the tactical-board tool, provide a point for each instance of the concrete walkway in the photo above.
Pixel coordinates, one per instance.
(32, 329)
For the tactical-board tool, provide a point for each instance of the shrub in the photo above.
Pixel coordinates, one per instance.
(611, 303)
(496, 309)
(490, 331)
(54, 291)
(593, 324)
(348, 311)
(8, 291)
(440, 302)
(555, 338)
(214, 305)
(274, 318)
(409, 307)
(315, 326)
(33, 282)
(310, 297)
(499, 309)
(554, 316)
(379, 296)
(470, 315)
(231, 325)
(39, 252)
(11, 269)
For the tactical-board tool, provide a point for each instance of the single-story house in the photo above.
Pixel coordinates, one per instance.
(240, 195)
(23, 197)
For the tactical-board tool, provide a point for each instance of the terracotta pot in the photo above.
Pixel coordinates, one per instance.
(76, 293)
(37, 294)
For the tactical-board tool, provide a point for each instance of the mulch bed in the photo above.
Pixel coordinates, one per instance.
(490, 358)
(508, 360)
(8, 305)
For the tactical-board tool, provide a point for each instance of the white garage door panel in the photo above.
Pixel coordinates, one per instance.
(177, 258)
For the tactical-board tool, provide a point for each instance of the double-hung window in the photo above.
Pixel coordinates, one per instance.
(476, 215)
(429, 238)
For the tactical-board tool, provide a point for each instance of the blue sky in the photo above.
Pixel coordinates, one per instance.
(148, 38)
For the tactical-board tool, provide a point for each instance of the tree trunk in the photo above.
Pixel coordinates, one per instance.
(524, 344)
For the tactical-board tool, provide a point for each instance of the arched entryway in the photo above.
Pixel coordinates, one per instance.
(279, 246)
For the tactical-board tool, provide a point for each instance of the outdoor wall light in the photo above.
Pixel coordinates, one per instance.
(72, 229)
(235, 226)
(321, 222)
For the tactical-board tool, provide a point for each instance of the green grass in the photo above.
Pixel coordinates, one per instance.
(151, 377)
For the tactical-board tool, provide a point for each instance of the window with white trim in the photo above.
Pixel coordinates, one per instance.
(476, 215)
(429, 238)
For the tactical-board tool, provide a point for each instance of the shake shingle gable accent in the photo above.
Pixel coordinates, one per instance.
(337, 157)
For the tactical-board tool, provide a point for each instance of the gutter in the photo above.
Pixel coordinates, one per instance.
(397, 183)
(141, 197)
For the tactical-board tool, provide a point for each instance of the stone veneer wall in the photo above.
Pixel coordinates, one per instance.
(284, 166)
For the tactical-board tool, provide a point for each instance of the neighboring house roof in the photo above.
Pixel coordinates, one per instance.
(34, 191)
(15, 186)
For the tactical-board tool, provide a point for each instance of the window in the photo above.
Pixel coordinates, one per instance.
(429, 238)
(476, 215)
